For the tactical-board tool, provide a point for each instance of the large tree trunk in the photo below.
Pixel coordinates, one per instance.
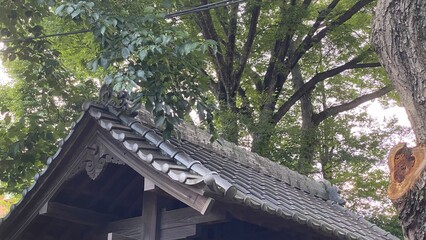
(308, 133)
(399, 34)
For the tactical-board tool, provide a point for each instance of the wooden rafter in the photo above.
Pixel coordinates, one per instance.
(75, 214)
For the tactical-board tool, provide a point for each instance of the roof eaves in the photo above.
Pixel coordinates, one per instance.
(212, 179)
(322, 189)
(40, 175)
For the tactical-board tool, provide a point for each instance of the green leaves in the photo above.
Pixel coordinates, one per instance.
(125, 52)
(143, 54)
(187, 48)
(150, 58)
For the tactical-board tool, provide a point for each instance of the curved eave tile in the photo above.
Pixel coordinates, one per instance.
(148, 146)
(212, 180)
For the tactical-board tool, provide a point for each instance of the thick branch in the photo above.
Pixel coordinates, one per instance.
(256, 79)
(279, 76)
(255, 13)
(231, 38)
(245, 108)
(311, 84)
(280, 51)
(283, 47)
(311, 39)
(367, 65)
(306, 3)
(332, 111)
(213, 86)
(205, 23)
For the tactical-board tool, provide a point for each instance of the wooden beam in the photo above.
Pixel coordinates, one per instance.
(150, 216)
(75, 214)
(175, 224)
(191, 196)
(179, 232)
(188, 216)
(115, 236)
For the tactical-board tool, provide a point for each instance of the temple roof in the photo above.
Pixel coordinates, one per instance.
(228, 174)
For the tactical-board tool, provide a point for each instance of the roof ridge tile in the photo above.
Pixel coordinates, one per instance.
(192, 133)
(217, 183)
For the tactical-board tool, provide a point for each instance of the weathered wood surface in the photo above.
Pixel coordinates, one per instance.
(407, 188)
(400, 40)
(74, 214)
(150, 216)
(189, 195)
(175, 224)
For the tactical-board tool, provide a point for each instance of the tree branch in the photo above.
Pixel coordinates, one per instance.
(281, 49)
(230, 45)
(332, 111)
(205, 23)
(245, 108)
(213, 86)
(311, 84)
(306, 3)
(367, 65)
(311, 39)
(255, 13)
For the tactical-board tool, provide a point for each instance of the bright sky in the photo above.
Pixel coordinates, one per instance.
(4, 78)
(377, 111)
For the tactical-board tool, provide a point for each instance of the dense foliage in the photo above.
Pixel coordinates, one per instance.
(280, 77)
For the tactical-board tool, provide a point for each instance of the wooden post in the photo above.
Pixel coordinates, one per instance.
(150, 212)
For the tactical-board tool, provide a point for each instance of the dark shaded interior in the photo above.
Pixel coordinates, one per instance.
(118, 193)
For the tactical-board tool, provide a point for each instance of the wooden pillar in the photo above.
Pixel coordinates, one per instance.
(150, 212)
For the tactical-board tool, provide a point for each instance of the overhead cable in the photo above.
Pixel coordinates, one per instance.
(204, 7)
(200, 8)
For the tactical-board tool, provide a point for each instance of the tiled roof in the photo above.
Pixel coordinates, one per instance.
(235, 174)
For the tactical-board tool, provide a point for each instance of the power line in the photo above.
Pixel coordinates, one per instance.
(170, 15)
(204, 7)
(46, 36)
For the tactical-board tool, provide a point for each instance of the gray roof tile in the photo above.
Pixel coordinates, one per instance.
(236, 174)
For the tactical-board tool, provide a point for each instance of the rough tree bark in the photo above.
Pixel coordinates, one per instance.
(399, 34)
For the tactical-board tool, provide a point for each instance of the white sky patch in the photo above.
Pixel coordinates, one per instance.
(4, 78)
(195, 118)
(377, 111)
